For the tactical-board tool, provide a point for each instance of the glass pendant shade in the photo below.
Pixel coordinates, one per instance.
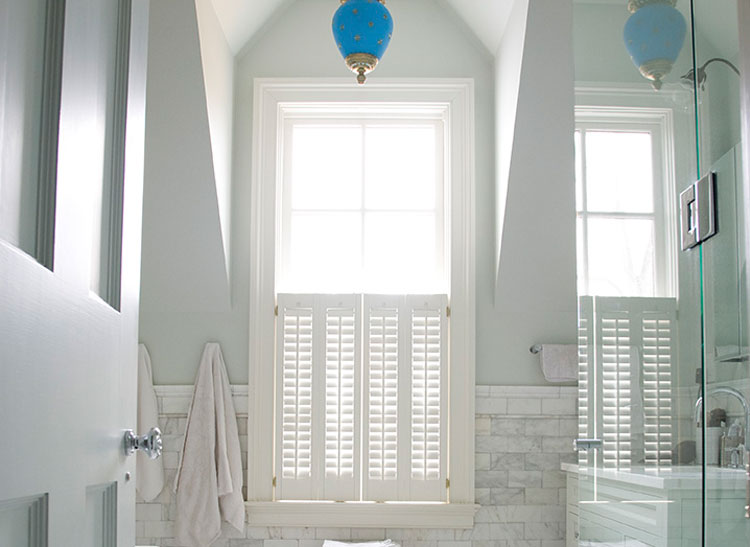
(653, 36)
(362, 30)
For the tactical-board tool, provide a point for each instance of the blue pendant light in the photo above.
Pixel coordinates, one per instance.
(362, 30)
(654, 35)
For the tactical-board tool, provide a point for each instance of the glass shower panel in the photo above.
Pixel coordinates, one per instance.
(639, 299)
(716, 79)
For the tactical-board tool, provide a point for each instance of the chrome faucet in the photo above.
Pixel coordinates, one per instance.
(728, 391)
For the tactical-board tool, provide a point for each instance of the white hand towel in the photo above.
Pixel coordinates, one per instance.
(209, 476)
(149, 474)
(560, 362)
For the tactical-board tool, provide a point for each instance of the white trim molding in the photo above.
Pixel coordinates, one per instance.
(361, 514)
(272, 99)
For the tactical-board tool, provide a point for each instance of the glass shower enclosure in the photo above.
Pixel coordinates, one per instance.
(662, 234)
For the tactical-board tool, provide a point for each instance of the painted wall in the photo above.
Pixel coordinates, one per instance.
(428, 41)
(535, 295)
(218, 78)
(184, 288)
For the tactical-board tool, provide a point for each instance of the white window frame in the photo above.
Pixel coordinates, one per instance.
(659, 124)
(272, 99)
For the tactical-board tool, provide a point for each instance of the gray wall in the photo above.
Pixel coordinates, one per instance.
(428, 41)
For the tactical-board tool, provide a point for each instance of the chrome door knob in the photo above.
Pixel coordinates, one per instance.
(149, 443)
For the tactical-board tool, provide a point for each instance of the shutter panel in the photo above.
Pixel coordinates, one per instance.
(317, 390)
(586, 378)
(659, 352)
(613, 329)
(294, 397)
(635, 350)
(339, 317)
(429, 396)
(405, 397)
(383, 318)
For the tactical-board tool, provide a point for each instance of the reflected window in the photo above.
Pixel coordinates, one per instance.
(623, 223)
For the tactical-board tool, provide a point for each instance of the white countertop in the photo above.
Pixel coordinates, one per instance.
(678, 477)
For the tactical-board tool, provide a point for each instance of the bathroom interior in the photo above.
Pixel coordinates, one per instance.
(610, 185)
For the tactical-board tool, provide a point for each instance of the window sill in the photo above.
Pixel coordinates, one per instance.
(360, 514)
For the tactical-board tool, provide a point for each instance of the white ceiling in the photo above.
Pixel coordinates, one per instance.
(241, 19)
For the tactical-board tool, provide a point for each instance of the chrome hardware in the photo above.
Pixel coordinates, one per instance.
(698, 212)
(586, 444)
(149, 443)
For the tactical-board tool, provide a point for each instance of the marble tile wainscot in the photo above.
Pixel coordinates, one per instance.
(523, 433)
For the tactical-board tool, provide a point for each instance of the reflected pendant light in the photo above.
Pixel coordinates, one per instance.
(654, 35)
(362, 30)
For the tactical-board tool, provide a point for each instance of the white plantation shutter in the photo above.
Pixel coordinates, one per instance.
(294, 396)
(362, 397)
(385, 395)
(627, 371)
(586, 378)
(659, 351)
(342, 366)
(613, 333)
(405, 397)
(318, 362)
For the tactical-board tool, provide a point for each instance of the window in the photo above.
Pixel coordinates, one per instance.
(626, 279)
(363, 276)
(624, 218)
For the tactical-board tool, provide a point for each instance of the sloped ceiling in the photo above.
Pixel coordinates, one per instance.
(241, 19)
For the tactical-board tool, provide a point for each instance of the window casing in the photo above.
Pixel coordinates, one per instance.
(277, 102)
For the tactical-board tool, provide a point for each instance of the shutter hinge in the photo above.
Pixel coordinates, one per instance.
(273, 481)
(276, 310)
(447, 483)
(447, 311)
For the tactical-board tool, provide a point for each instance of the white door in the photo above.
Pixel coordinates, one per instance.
(72, 109)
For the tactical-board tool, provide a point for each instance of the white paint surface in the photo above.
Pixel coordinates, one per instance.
(68, 360)
(218, 78)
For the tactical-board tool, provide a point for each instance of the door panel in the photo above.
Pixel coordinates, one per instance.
(727, 356)
(67, 358)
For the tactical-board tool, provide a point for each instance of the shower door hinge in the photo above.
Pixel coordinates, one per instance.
(698, 212)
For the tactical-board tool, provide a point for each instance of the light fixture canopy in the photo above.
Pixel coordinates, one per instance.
(654, 35)
(362, 30)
